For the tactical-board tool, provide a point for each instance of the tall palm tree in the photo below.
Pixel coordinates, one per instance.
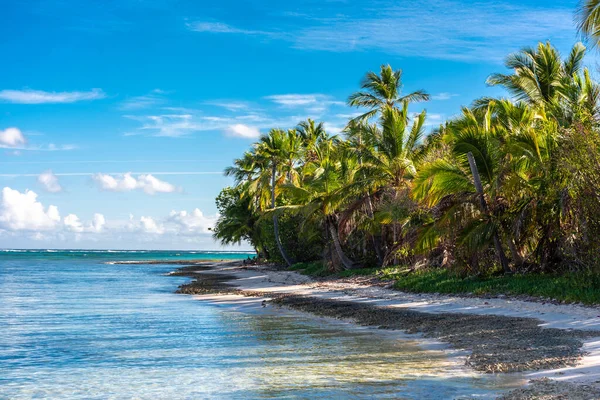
(383, 90)
(282, 149)
(359, 141)
(262, 171)
(389, 163)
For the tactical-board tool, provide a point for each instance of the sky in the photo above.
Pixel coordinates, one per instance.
(117, 118)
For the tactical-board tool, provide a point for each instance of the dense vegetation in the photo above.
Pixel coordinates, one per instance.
(510, 185)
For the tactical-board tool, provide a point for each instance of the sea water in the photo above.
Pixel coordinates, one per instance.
(73, 325)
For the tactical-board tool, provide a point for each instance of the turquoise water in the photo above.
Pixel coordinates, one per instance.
(74, 327)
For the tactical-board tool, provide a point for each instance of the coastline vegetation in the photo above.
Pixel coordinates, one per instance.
(501, 199)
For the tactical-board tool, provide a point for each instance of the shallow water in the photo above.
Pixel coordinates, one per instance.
(72, 326)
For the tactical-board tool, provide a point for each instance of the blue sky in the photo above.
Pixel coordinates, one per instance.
(117, 118)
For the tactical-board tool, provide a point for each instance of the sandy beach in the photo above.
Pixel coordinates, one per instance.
(555, 346)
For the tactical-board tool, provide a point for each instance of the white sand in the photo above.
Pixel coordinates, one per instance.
(257, 278)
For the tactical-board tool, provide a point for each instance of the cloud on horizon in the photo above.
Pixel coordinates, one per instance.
(22, 214)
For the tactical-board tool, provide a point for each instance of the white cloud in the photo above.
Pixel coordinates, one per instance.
(154, 98)
(412, 28)
(332, 129)
(49, 182)
(150, 226)
(219, 27)
(298, 100)
(151, 185)
(22, 211)
(229, 105)
(293, 99)
(29, 96)
(238, 118)
(168, 125)
(73, 224)
(23, 217)
(443, 96)
(119, 173)
(12, 137)
(177, 224)
(126, 183)
(98, 223)
(192, 223)
(244, 131)
(145, 225)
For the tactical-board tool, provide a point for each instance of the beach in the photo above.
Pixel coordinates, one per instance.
(555, 346)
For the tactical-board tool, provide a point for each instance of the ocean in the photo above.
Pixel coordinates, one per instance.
(75, 326)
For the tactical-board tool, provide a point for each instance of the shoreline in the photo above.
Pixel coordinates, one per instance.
(555, 346)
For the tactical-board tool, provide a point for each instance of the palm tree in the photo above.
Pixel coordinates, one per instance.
(542, 79)
(450, 183)
(282, 150)
(588, 20)
(383, 90)
(359, 137)
(237, 222)
(263, 170)
(311, 132)
(324, 191)
(389, 163)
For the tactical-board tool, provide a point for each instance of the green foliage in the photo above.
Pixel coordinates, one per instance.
(316, 268)
(302, 241)
(236, 222)
(357, 272)
(386, 194)
(571, 288)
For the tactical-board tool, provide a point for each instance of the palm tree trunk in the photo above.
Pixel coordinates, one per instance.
(346, 262)
(479, 187)
(284, 255)
(376, 237)
(518, 259)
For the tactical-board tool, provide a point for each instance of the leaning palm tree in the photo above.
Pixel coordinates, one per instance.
(460, 184)
(383, 90)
